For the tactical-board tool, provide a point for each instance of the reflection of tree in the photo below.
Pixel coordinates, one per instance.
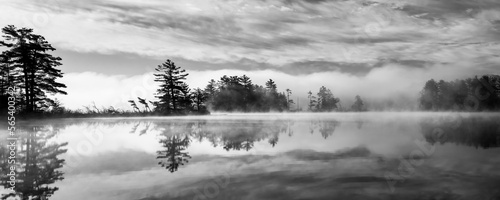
(326, 128)
(174, 154)
(36, 164)
(175, 141)
(232, 135)
(274, 140)
(359, 124)
(472, 131)
(244, 135)
(242, 138)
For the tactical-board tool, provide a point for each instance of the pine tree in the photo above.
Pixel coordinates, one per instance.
(326, 100)
(199, 98)
(31, 67)
(312, 100)
(358, 105)
(171, 79)
(429, 97)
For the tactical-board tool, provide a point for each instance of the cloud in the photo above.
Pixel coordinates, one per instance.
(354, 47)
(388, 82)
(276, 32)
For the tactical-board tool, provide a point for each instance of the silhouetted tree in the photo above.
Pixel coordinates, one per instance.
(171, 79)
(31, 67)
(185, 99)
(233, 93)
(199, 98)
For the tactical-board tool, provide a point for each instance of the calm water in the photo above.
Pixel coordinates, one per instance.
(299, 156)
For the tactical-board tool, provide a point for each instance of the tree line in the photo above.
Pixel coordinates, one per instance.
(471, 94)
(228, 94)
(27, 67)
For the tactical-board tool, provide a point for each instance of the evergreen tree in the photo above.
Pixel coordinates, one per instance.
(237, 93)
(288, 100)
(271, 86)
(172, 86)
(429, 96)
(31, 67)
(326, 100)
(358, 105)
(312, 100)
(199, 98)
(472, 94)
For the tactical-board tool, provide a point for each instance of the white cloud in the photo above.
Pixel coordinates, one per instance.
(261, 31)
(381, 84)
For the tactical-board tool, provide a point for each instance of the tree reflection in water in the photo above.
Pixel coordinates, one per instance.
(325, 127)
(230, 135)
(37, 163)
(471, 131)
(175, 141)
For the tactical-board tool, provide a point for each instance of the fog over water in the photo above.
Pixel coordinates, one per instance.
(272, 156)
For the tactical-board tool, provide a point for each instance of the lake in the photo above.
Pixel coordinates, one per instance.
(259, 156)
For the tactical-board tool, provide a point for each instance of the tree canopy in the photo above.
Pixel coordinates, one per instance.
(28, 65)
(472, 94)
(237, 93)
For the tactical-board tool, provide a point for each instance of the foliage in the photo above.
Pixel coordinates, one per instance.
(358, 105)
(37, 164)
(472, 94)
(28, 66)
(324, 102)
(234, 93)
(173, 90)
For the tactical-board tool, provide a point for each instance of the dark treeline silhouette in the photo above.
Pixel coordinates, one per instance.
(29, 68)
(238, 93)
(470, 131)
(37, 164)
(175, 96)
(472, 94)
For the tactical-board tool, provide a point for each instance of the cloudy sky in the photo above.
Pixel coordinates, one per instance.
(380, 49)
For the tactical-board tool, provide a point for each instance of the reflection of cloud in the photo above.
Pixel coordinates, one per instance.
(111, 163)
(310, 155)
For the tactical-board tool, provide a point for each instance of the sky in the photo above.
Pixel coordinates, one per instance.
(383, 50)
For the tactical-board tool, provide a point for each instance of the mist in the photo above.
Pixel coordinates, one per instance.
(385, 88)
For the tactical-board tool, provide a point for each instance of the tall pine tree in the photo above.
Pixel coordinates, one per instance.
(170, 93)
(31, 67)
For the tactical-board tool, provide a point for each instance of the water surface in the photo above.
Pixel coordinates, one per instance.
(261, 156)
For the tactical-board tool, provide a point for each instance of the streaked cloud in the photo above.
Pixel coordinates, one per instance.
(294, 37)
